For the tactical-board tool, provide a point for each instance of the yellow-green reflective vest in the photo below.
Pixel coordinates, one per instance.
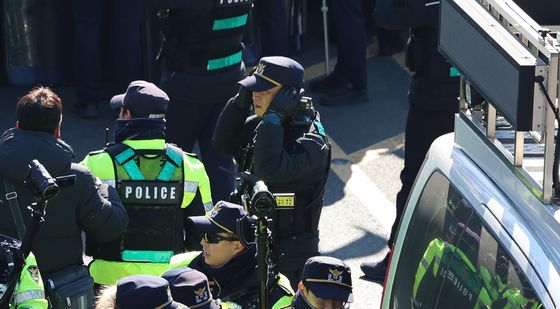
(154, 180)
(441, 254)
(29, 292)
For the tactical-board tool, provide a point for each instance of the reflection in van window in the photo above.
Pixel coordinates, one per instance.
(442, 214)
(503, 285)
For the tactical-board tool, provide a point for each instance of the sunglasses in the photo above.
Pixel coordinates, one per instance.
(215, 238)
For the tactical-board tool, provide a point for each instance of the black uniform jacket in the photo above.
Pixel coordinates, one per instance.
(432, 86)
(187, 22)
(86, 206)
(289, 160)
(282, 154)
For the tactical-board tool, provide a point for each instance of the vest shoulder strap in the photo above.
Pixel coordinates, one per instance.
(124, 156)
(174, 160)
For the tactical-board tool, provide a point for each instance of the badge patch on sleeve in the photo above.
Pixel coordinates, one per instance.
(34, 273)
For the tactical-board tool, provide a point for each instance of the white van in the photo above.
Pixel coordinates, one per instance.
(481, 228)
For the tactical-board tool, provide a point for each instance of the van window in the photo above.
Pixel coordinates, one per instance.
(438, 221)
(482, 272)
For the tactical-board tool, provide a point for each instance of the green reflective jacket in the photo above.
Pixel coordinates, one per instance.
(29, 292)
(195, 180)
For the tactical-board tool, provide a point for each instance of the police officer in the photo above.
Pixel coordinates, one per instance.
(138, 291)
(126, 16)
(158, 183)
(228, 260)
(326, 283)
(190, 287)
(289, 151)
(432, 97)
(347, 84)
(202, 60)
(29, 291)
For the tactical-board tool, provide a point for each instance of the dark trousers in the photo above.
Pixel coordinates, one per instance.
(351, 41)
(190, 121)
(273, 24)
(124, 44)
(423, 126)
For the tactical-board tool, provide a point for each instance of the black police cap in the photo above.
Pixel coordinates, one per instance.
(145, 291)
(328, 278)
(274, 71)
(143, 99)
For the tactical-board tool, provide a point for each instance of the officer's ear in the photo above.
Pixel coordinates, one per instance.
(238, 247)
(125, 114)
(301, 287)
(57, 131)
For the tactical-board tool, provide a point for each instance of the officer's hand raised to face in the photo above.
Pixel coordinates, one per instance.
(244, 98)
(285, 102)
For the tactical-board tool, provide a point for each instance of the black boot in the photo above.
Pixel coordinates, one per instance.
(344, 94)
(325, 84)
(376, 271)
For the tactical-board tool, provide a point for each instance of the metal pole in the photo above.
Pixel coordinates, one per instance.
(325, 9)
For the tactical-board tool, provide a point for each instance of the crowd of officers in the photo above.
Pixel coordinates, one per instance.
(146, 207)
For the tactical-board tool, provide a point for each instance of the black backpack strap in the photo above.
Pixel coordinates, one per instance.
(11, 197)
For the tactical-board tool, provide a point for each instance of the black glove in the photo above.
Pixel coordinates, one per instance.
(285, 102)
(244, 98)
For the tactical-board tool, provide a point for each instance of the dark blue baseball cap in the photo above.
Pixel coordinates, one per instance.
(190, 287)
(328, 278)
(143, 99)
(222, 219)
(145, 291)
(274, 71)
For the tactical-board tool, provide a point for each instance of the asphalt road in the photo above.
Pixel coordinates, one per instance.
(367, 158)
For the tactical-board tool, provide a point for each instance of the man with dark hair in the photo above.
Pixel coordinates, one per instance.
(88, 206)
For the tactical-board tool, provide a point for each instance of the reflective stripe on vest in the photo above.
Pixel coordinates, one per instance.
(229, 23)
(215, 64)
(125, 159)
(190, 186)
(28, 295)
(109, 272)
(174, 160)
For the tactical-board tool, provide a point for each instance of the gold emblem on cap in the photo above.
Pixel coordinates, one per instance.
(260, 68)
(201, 294)
(335, 273)
(259, 71)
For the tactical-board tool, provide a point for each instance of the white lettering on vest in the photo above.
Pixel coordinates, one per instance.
(150, 192)
(127, 191)
(172, 193)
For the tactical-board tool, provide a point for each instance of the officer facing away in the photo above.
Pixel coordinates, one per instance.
(202, 61)
(159, 185)
(326, 284)
(228, 260)
(278, 137)
(29, 291)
